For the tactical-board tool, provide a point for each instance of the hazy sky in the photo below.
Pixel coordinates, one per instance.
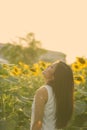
(61, 25)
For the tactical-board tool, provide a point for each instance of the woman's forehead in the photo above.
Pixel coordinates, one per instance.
(56, 62)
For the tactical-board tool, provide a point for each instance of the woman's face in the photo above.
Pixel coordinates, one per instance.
(49, 72)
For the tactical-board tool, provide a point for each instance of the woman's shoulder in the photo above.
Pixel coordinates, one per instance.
(43, 89)
(42, 92)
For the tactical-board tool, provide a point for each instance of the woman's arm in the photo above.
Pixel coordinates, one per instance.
(41, 98)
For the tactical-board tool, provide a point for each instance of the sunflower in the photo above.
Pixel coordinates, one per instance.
(26, 66)
(42, 63)
(79, 79)
(21, 63)
(76, 67)
(5, 66)
(16, 71)
(32, 70)
(35, 70)
(82, 61)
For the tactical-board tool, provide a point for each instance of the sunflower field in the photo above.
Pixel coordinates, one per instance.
(17, 87)
(18, 83)
(79, 68)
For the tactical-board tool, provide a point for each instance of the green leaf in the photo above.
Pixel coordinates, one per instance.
(7, 124)
(85, 124)
(23, 99)
(80, 107)
(12, 79)
(26, 111)
(11, 124)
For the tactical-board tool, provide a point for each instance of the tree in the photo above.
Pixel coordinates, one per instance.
(14, 52)
(30, 41)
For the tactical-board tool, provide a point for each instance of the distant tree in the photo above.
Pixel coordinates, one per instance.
(14, 52)
(33, 47)
(30, 41)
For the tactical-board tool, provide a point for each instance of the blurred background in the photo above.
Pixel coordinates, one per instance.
(60, 26)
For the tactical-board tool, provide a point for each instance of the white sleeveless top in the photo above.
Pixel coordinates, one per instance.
(49, 111)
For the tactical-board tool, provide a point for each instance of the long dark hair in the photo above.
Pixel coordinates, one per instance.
(63, 85)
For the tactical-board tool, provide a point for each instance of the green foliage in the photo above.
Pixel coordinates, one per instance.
(15, 52)
(16, 96)
(79, 68)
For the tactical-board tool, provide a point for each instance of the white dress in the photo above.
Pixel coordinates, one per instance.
(49, 111)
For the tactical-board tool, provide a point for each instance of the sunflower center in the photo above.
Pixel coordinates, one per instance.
(81, 60)
(79, 78)
(76, 66)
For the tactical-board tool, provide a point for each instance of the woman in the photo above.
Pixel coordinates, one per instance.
(52, 107)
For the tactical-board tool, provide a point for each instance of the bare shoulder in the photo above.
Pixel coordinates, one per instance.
(42, 93)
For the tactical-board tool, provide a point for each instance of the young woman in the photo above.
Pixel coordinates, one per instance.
(52, 107)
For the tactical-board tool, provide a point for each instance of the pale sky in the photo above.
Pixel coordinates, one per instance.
(61, 25)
